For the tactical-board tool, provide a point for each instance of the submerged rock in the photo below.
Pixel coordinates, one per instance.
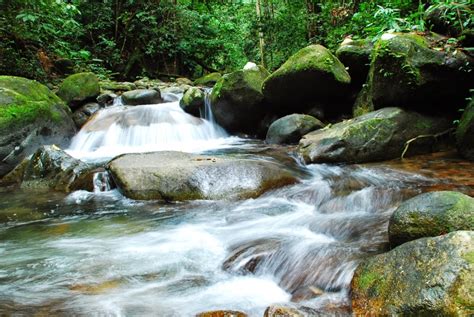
(378, 135)
(81, 115)
(291, 128)
(312, 75)
(425, 277)
(176, 176)
(429, 215)
(237, 100)
(465, 133)
(407, 72)
(52, 168)
(192, 101)
(208, 80)
(283, 311)
(30, 116)
(141, 97)
(222, 313)
(79, 88)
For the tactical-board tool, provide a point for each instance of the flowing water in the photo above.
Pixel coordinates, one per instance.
(99, 253)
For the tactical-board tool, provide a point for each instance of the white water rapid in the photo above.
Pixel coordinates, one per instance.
(131, 129)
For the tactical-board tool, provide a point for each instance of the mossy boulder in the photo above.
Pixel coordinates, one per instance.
(177, 176)
(208, 80)
(290, 128)
(355, 54)
(141, 97)
(193, 101)
(237, 101)
(79, 88)
(30, 116)
(429, 215)
(465, 132)
(378, 135)
(408, 71)
(312, 75)
(52, 168)
(425, 277)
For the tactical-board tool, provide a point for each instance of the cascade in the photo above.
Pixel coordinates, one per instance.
(145, 128)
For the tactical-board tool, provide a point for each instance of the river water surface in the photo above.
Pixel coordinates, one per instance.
(99, 253)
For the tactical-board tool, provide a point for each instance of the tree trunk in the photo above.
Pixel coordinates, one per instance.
(260, 32)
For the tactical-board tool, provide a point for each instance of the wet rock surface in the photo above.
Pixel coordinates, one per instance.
(175, 176)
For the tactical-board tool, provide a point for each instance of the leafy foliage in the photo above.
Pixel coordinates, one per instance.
(132, 38)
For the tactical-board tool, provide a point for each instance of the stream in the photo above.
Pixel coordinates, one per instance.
(99, 253)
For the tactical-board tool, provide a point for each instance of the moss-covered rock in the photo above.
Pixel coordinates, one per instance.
(429, 215)
(425, 277)
(30, 115)
(52, 168)
(312, 75)
(407, 72)
(208, 80)
(237, 100)
(141, 97)
(378, 135)
(291, 128)
(108, 85)
(79, 88)
(193, 101)
(465, 132)
(355, 54)
(177, 176)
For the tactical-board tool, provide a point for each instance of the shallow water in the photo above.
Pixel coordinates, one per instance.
(102, 254)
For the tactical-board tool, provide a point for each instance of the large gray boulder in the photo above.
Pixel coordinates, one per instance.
(141, 97)
(465, 132)
(237, 100)
(425, 277)
(30, 116)
(429, 215)
(312, 75)
(79, 88)
(290, 128)
(176, 176)
(408, 71)
(378, 135)
(81, 115)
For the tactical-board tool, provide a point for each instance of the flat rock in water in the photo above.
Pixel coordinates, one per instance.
(142, 97)
(290, 128)
(424, 277)
(177, 176)
(376, 136)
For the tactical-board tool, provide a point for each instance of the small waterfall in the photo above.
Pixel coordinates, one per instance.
(102, 182)
(160, 127)
(208, 115)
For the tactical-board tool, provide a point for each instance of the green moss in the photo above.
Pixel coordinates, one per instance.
(23, 101)
(367, 280)
(208, 80)
(314, 57)
(79, 87)
(469, 257)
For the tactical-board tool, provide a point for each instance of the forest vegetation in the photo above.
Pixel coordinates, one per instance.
(126, 39)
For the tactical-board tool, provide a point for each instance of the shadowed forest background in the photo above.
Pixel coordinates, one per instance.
(126, 39)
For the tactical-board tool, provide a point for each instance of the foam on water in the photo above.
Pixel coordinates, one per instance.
(161, 127)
